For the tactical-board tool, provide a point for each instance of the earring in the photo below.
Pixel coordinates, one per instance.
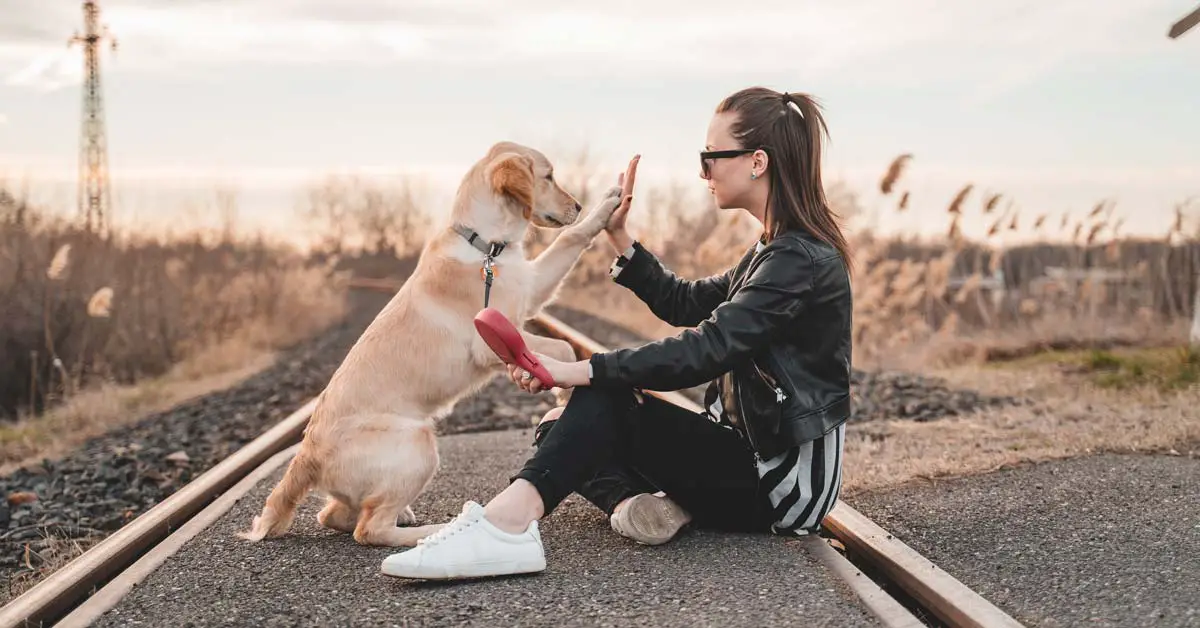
(753, 175)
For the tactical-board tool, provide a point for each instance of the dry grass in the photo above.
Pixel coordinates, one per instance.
(1076, 413)
(1167, 369)
(55, 554)
(101, 330)
(107, 406)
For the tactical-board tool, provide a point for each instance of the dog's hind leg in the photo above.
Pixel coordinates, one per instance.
(280, 509)
(338, 516)
(377, 526)
(394, 467)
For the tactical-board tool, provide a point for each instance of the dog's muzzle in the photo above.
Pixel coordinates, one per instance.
(554, 221)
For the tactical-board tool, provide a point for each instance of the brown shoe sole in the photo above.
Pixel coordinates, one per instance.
(650, 519)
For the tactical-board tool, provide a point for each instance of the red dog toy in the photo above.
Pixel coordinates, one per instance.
(502, 336)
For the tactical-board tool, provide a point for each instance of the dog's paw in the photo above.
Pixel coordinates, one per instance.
(255, 533)
(407, 518)
(597, 218)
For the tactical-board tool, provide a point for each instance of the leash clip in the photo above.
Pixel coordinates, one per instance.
(488, 270)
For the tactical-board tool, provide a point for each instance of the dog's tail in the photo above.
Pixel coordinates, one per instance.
(281, 505)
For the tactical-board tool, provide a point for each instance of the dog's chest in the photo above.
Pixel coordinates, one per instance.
(511, 282)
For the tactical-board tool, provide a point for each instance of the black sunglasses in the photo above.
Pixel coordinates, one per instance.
(706, 155)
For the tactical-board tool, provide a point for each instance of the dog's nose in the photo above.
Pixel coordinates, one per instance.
(578, 207)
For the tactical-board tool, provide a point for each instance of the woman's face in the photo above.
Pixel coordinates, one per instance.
(728, 178)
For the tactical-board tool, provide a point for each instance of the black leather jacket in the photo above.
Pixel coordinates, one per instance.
(774, 332)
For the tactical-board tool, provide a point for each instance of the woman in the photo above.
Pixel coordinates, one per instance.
(771, 335)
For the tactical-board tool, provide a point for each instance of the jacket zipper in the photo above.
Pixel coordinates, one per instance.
(742, 411)
(779, 394)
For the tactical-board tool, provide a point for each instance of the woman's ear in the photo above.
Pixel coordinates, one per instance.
(760, 161)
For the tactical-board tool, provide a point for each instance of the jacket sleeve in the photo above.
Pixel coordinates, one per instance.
(772, 298)
(676, 301)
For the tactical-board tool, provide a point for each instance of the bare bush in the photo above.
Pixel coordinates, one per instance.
(352, 215)
(77, 309)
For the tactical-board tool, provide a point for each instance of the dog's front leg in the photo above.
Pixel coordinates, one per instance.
(555, 348)
(553, 265)
(483, 356)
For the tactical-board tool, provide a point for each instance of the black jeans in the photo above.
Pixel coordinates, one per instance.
(609, 445)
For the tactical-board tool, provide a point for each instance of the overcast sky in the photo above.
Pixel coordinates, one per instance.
(1059, 104)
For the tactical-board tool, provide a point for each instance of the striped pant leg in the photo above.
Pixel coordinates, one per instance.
(803, 484)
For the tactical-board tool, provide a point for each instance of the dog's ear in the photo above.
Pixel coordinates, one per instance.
(512, 174)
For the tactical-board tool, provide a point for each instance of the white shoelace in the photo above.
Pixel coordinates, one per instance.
(459, 524)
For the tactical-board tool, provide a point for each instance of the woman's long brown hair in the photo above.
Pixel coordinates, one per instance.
(788, 127)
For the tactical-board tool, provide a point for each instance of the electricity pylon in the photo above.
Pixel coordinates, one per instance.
(95, 202)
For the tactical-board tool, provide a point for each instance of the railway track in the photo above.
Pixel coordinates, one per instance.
(903, 588)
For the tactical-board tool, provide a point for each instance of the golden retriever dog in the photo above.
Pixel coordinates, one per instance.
(370, 444)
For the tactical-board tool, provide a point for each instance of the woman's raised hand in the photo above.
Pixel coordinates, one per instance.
(618, 234)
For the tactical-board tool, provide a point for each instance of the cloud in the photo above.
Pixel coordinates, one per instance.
(423, 14)
(1043, 37)
(34, 51)
(981, 49)
(625, 36)
(37, 22)
(48, 72)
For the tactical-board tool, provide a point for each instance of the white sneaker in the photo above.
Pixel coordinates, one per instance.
(470, 547)
(649, 519)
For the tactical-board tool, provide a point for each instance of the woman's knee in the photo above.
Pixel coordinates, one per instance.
(596, 404)
(546, 424)
(553, 414)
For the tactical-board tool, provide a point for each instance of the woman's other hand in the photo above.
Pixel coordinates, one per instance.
(565, 374)
(618, 234)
